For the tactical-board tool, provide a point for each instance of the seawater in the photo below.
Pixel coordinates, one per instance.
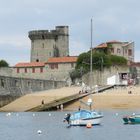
(25, 126)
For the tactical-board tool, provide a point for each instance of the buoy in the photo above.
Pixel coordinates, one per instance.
(49, 114)
(89, 125)
(117, 114)
(133, 114)
(39, 131)
(33, 114)
(8, 114)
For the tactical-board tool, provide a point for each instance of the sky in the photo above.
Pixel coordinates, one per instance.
(112, 20)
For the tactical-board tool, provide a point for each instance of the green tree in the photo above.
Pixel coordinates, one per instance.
(99, 60)
(3, 63)
(118, 60)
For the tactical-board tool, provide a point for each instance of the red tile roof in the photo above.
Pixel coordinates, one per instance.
(114, 41)
(30, 64)
(103, 45)
(67, 59)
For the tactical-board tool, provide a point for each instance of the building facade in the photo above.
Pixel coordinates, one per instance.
(46, 44)
(125, 49)
(56, 68)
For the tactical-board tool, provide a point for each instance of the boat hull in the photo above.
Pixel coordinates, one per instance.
(132, 120)
(84, 122)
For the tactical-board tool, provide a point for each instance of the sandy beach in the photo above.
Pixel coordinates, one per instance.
(32, 100)
(117, 98)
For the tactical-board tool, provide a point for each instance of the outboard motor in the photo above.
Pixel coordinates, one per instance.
(67, 118)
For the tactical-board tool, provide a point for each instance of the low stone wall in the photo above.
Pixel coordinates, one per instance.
(100, 77)
(13, 87)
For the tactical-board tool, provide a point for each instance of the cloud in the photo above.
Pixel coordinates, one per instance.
(112, 20)
(17, 41)
(77, 48)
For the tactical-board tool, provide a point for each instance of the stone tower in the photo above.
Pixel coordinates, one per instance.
(46, 44)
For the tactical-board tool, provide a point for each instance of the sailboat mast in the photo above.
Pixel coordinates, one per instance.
(91, 59)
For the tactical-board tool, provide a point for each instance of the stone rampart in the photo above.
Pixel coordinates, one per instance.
(12, 87)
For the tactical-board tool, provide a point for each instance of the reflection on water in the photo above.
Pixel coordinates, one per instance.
(50, 126)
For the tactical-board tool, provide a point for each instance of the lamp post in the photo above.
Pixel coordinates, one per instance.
(91, 60)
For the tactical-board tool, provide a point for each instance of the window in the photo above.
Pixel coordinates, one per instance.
(2, 83)
(118, 51)
(42, 45)
(129, 52)
(29, 84)
(43, 37)
(51, 66)
(16, 83)
(54, 66)
(50, 54)
(33, 70)
(17, 70)
(25, 70)
(112, 50)
(41, 70)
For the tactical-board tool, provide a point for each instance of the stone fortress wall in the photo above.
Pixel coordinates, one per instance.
(46, 44)
(13, 87)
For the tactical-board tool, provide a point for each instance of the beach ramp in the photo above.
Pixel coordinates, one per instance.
(43, 100)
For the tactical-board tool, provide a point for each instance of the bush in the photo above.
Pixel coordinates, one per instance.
(118, 60)
(3, 63)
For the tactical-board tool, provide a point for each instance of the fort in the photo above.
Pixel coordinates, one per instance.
(50, 65)
(46, 44)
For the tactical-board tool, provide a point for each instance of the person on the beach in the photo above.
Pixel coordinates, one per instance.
(61, 107)
(42, 102)
(79, 108)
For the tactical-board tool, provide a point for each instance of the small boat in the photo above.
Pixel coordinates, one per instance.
(84, 117)
(133, 119)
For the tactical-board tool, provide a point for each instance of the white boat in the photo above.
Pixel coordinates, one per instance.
(84, 117)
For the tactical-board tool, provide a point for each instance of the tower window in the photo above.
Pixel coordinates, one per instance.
(50, 54)
(42, 45)
(43, 37)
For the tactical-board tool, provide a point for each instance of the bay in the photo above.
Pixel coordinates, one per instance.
(27, 125)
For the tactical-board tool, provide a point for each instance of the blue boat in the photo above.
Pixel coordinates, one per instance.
(133, 119)
(84, 117)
